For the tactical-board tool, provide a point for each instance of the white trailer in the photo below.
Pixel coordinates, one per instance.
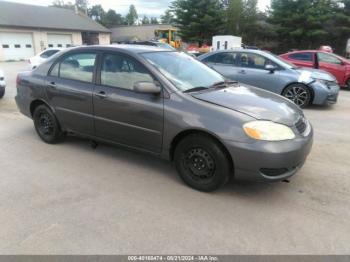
(226, 42)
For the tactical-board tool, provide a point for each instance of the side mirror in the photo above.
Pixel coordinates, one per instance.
(147, 88)
(270, 68)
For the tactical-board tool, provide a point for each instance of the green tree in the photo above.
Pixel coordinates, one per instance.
(338, 26)
(301, 23)
(63, 4)
(154, 21)
(145, 20)
(82, 5)
(167, 17)
(132, 16)
(198, 20)
(97, 13)
(112, 19)
(234, 15)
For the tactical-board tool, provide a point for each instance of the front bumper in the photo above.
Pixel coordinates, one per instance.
(269, 161)
(325, 95)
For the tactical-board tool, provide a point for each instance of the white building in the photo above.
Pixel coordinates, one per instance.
(26, 30)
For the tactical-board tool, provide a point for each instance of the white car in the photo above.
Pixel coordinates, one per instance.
(2, 84)
(41, 57)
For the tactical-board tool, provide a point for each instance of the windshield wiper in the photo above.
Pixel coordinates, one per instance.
(194, 89)
(224, 83)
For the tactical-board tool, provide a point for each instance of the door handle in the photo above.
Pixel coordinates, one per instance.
(101, 94)
(52, 85)
(242, 72)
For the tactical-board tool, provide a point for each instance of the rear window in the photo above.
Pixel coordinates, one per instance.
(301, 56)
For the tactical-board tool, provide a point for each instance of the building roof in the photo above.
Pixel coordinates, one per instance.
(33, 16)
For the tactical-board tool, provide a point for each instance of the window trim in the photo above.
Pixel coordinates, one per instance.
(64, 56)
(99, 71)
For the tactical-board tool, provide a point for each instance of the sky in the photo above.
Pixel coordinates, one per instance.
(152, 8)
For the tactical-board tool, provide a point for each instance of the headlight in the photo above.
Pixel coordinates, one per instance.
(323, 82)
(269, 131)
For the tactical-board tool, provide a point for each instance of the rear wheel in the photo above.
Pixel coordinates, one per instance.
(202, 163)
(299, 94)
(46, 124)
(2, 92)
(348, 84)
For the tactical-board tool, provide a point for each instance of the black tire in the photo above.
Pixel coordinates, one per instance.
(299, 94)
(348, 84)
(46, 125)
(202, 163)
(2, 92)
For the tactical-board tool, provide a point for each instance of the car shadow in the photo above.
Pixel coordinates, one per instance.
(166, 168)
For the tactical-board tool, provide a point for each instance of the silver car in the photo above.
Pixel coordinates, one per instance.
(303, 86)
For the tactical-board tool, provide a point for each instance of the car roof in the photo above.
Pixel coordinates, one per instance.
(137, 49)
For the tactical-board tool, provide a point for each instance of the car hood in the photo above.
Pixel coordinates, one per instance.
(257, 103)
(308, 74)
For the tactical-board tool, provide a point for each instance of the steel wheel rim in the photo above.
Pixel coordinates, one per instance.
(200, 165)
(297, 94)
(46, 126)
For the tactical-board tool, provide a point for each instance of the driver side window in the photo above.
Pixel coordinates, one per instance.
(327, 58)
(255, 61)
(122, 71)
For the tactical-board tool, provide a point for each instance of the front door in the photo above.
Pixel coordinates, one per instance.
(122, 115)
(252, 72)
(331, 64)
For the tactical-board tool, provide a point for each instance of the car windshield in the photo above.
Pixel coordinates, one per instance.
(184, 71)
(166, 46)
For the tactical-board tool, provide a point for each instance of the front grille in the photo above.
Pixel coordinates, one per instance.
(301, 125)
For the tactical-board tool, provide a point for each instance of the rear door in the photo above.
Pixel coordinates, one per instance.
(302, 59)
(331, 64)
(122, 115)
(69, 91)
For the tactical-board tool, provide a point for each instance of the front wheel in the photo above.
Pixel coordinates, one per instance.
(299, 94)
(202, 163)
(46, 125)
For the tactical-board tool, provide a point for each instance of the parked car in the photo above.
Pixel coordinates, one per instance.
(269, 72)
(2, 84)
(42, 56)
(168, 104)
(332, 63)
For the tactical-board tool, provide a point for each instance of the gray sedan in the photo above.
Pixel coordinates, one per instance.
(303, 86)
(170, 105)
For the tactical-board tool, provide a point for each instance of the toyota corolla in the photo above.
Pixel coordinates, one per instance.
(168, 104)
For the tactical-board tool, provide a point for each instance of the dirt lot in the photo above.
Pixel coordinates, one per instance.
(71, 199)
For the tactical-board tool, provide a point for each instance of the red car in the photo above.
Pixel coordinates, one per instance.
(334, 64)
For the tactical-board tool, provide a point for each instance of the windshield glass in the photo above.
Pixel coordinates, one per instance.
(166, 46)
(183, 71)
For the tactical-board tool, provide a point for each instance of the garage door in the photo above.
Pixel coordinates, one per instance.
(17, 46)
(57, 40)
